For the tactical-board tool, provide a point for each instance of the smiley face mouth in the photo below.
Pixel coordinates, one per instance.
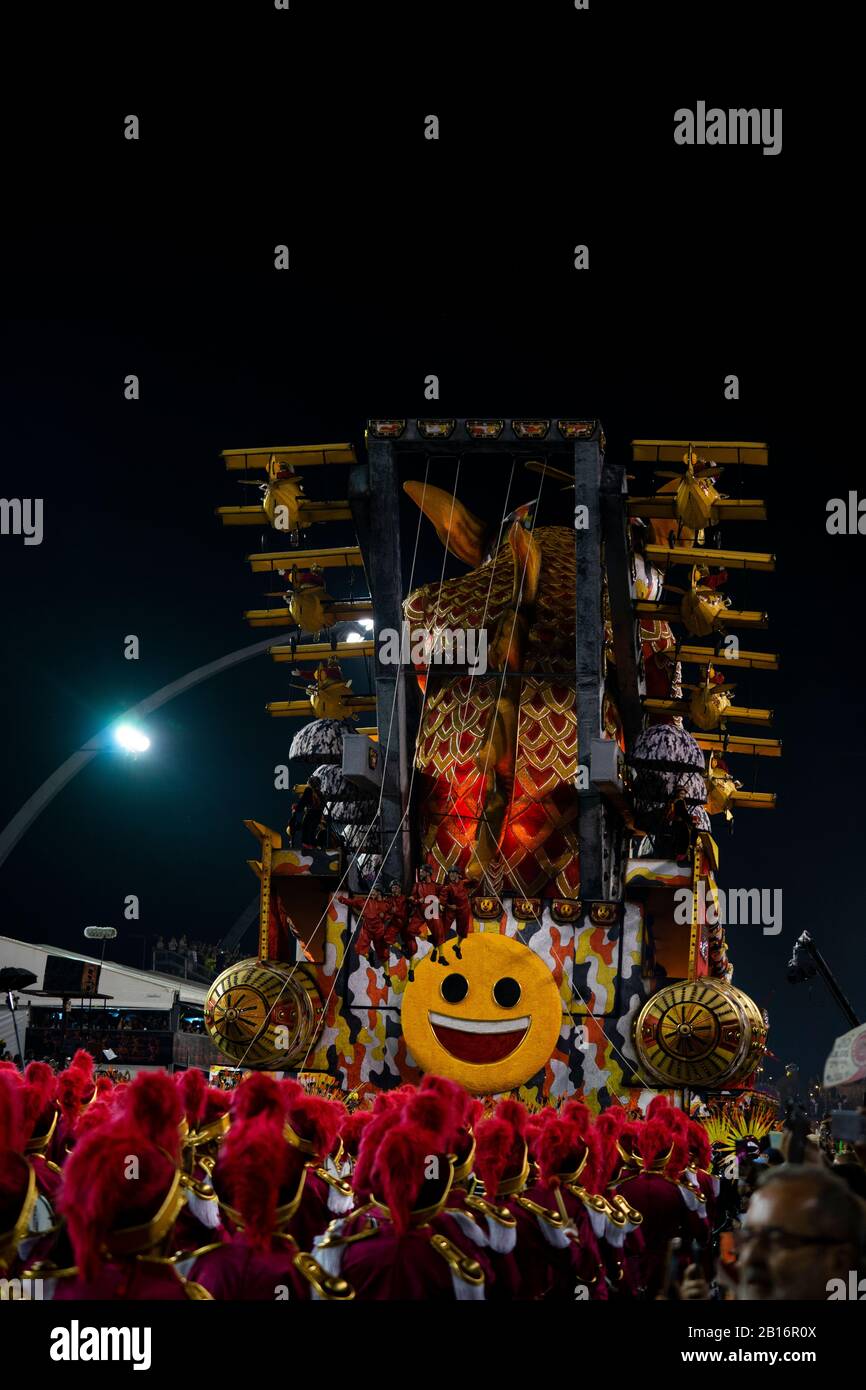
(479, 1040)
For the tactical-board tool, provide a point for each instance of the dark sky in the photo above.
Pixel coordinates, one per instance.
(407, 257)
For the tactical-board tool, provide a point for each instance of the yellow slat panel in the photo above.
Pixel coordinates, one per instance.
(338, 557)
(747, 661)
(242, 516)
(725, 559)
(268, 617)
(299, 455)
(321, 651)
(738, 714)
(737, 743)
(731, 509)
(758, 800)
(290, 709)
(719, 450)
(311, 512)
(730, 617)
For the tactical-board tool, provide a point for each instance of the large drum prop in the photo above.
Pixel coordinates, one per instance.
(265, 1015)
(699, 1033)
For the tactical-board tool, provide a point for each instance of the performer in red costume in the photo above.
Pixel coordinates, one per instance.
(260, 1179)
(206, 1117)
(401, 924)
(519, 1250)
(121, 1230)
(566, 1152)
(458, 909)
(428, 901)
(395, 1247)
(646, 1150)
(376, 935)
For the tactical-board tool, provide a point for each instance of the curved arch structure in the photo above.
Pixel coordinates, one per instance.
(35, 805)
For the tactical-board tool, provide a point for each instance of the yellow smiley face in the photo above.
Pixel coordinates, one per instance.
(489, 1021)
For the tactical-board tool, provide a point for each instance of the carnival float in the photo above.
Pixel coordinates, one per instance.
(484, 870)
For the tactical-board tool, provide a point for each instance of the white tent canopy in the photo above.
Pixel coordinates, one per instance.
(128, 988)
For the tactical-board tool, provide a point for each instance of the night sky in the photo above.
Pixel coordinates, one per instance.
(408, 257)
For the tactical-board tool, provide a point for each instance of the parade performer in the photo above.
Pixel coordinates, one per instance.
(458, 908)
(18, 1190)
(519, 1252)
(401, 924)
(312, 1126)
(121, 1231)
(76, 1089)
(305, 823)
(375, 937)
(428, 901)
(565, 1152)
(645, 1150)
(259, 1179)
(205, 1121)
(396, 1250)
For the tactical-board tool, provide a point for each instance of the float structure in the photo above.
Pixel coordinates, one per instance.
(562, 782)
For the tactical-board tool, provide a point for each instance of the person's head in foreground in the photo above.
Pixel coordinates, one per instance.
(803, 1229)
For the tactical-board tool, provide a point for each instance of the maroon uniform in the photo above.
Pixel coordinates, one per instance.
(237, 1272)
(376, 932)
(428, 904)
(458, 911)
(126, 1281)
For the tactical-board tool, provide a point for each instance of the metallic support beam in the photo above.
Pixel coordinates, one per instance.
(589, 655)
(396, 692)
(617, 554)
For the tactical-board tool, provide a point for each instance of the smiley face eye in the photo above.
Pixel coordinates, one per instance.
(454, 988)
(506, 992)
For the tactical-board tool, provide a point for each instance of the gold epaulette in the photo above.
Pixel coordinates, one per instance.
(43, 1269)
(629, 1212)
(339, 1184)
(463, 1265)
(553, 1218)
(327, 1286)
(194, 1254)
(197, 1292)
(330, 1238)
(596, 1201)
(484, 1208)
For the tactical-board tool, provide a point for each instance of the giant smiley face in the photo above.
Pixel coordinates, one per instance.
(489, 1021)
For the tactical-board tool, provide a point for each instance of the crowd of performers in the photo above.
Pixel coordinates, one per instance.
(394, 921)
(169, 1188)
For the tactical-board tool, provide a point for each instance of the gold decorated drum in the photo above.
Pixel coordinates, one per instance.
(699, 1033)
(263, 1014)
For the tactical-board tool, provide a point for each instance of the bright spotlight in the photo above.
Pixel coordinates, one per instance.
(132, 739)
(367, 623)
(354, 637)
